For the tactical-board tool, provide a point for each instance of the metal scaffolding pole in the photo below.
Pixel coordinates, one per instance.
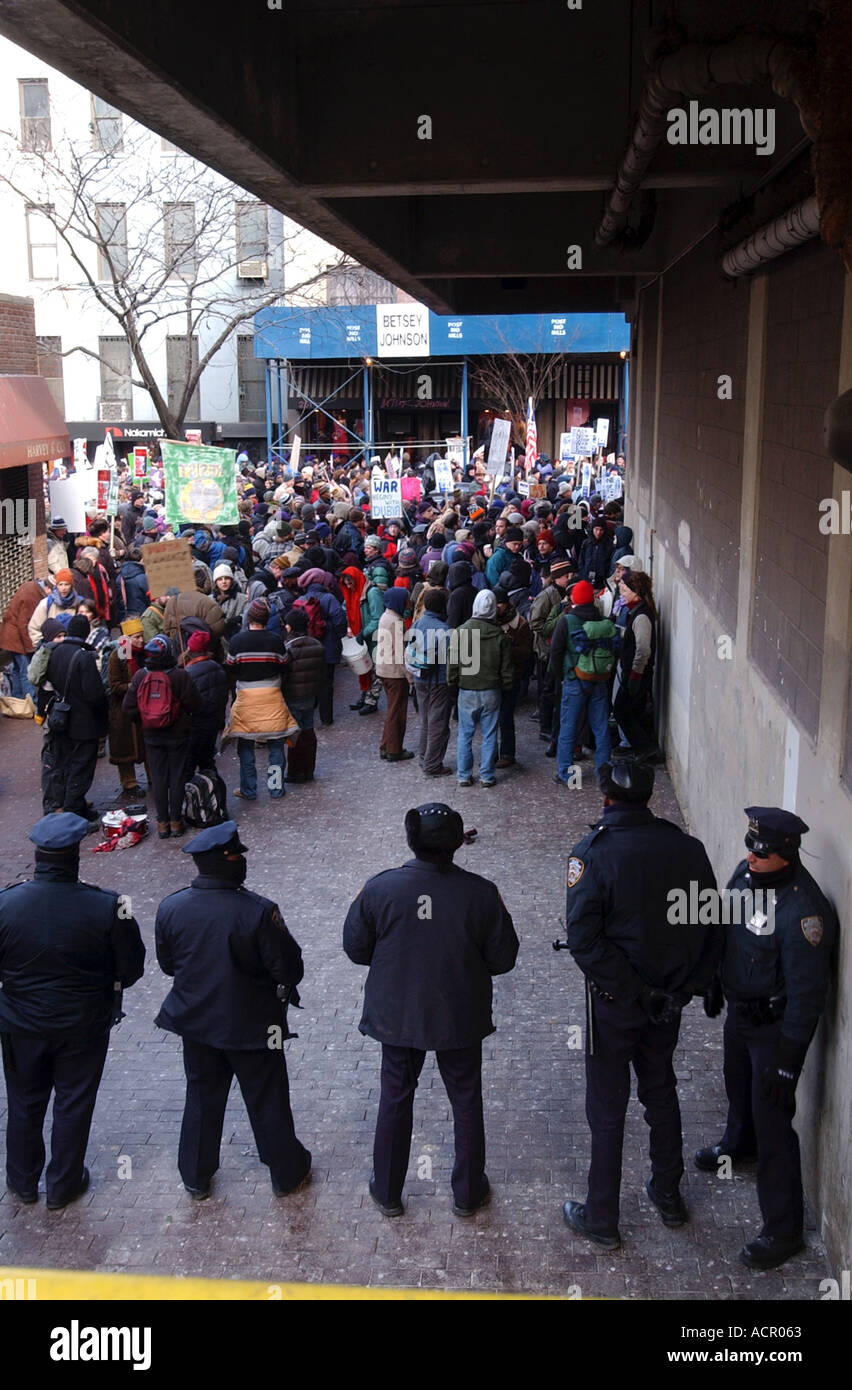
(268, 384)
(464, 409)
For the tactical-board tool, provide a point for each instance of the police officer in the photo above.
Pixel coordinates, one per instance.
(774, 975)
(235, 968)
(433, 935)
(642, 965)
(67, 950)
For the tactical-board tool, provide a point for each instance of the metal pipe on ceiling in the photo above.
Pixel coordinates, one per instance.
(796, 225)
(691, 70)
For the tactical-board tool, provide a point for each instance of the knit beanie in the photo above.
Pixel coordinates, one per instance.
(582, 593)
(259, 611)
(485, 605)
(199, 641)
(64, 577)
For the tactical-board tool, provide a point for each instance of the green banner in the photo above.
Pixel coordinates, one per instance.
(200, 484)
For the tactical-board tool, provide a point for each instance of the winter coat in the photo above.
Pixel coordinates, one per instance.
(335, 620)
(390, 646)
(14, 629)
(125, 738)
(84, 689)
(501, 560)
(433, 648)
(185, 693)
(596, 559)
(372, 608)
(232, 605)
(483, 658)
(51, 605)
(187, 605)
(542, 607)
(212, 685)
(461, 593)
(623, 543)
(306, 673)
(152, 622)
(517, 629)
(131, 591)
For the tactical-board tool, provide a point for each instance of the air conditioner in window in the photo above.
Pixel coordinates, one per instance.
(253, 270)
(113, 412)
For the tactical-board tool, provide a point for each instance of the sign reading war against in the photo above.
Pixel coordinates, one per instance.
(200, 484)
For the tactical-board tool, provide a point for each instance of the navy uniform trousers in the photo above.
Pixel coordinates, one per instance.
(623, 1034)
(262, 1077)
(461, 1073)
(35, 1065)
(756, 1126)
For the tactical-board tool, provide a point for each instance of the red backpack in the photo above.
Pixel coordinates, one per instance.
(313, 612)
(155, 698)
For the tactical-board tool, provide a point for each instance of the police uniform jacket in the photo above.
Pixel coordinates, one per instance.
(63, 948)
(618, 919)
(790, 964)
(228, 949)
(433, 935)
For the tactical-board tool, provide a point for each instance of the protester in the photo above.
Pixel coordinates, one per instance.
(126, 744)
(255, 664)
(428, 654)
(391, 670)
(481, 666)
(162, 698)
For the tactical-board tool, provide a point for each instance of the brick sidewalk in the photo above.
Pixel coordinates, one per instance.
(312, 853)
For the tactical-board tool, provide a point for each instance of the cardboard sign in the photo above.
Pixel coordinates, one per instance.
(386, 498)
(501, 432)
(443, 476)
(168, 565)
(295, 451)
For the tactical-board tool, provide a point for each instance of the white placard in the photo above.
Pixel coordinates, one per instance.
(602, 431)
(402, 329)
(68, 498)
(587, 480)
(79, 455)
(386, 498)
(616, 487)
(391, 465)
(455, 450)
(295, 450)
(566, 453)
(443, 476)
(582, 440)
(523, 487)
(501, 432)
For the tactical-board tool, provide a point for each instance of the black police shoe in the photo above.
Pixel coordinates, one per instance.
(670, 1205)
(484, 1196)
(386, 1208)
(768, 1252)
(53, 1205)
(574, 1215)
(708, 1159)
(198, 1194)
(297, 1187)
(25, 1198)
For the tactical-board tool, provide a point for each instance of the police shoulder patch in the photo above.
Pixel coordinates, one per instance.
(576, 869)
(812, 928)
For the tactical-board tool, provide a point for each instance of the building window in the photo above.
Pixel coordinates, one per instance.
(251, 380)
(35, 114)
(179, 364)
(115, 371)
(106, 125)
(49, 360)
(41, 243)
(252, 236)
(357, 285)
(180, 249)
(112, 233)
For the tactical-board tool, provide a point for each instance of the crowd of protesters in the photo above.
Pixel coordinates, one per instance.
(472, 607)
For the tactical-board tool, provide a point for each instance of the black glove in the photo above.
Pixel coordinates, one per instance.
(714, 999)
(778, 1081)
(660, 1006)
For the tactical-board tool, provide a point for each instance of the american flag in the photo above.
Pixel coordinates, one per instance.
(532, 438)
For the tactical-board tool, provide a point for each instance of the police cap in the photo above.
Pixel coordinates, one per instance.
(434, 827)
(58, 831)
(626, 781)
(222, 837)
(772, 830)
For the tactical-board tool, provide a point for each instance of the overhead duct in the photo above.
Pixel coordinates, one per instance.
(691, 70)
(796, 225)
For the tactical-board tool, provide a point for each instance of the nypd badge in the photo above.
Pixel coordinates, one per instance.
(813, 929)
(576, 868)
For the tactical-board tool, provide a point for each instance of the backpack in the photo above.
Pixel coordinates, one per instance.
(205, 799)
(424, 650)
(158, 708)
(594, 642)
(313, 612)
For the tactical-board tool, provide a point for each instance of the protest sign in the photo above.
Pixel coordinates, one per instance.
(501, 432)
(201, 484)
(385, 498)
(443, 476)
(168, 565)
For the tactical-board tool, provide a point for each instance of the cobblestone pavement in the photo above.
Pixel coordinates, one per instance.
(312, 852)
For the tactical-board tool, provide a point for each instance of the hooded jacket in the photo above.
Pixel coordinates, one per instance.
(596, 558)
(131, 591)
(82, 687)
(481, 657)
(462, 593)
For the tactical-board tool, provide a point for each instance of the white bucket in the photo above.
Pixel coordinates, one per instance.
(356, 656)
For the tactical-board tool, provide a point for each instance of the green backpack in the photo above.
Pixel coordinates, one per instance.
(593, 642)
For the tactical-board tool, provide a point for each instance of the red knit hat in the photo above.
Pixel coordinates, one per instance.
(546, 535)
(199, 641)
(582, 593)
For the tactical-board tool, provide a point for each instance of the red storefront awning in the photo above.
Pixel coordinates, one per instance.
(31, 428)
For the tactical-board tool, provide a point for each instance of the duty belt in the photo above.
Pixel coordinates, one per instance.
(760, 1011)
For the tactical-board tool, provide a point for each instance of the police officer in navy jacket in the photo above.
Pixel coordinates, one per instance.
(774, 975)
(67, 950)
(642, 964)
(233, 962)
(433, 936)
